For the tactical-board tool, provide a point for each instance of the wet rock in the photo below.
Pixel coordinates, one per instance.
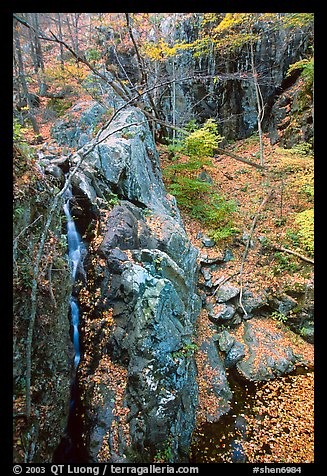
(238, 454)
(128, 162)
(127, 228)
(269, 352)
(206, 273)
(55, 171)
(253, 303)
(240, 425)
(217, 383)
(72, 133)
(115, 259)
(206, 260)
(228, 256)
(307, 332)
(283, 304)
(147, 282)
(225, 314)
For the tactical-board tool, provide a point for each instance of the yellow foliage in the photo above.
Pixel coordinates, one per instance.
(305, 223)
(162, 51)
(232, 20)
(291, 160)
(71, 70)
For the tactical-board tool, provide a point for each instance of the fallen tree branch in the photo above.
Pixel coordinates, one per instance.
(241, 159)
(254, 222)
(292, 252)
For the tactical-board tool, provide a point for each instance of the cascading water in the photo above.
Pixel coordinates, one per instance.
(75, 321)
(75, 252)
(70, 449)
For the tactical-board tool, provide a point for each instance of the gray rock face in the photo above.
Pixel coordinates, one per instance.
(226, 341)
(52, 349)
(253, 304)
(284, 304)
(70, 133)
(234, 355)
(235, 100)
(227, 313)
(208, 242)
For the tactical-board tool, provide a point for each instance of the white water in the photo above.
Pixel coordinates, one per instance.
(75, 321)
(75, 249)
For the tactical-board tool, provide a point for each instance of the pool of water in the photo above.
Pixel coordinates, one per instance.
(221, 442)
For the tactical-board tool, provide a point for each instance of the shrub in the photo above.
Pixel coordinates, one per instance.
(284, 263)
(195, 195)
(278, 316)
(188, 191)
(59, 106)
(18, 131)
(305, 222)
(93, 55)
(203, 141)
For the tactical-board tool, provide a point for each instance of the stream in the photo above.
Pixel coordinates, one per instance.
(71, 448)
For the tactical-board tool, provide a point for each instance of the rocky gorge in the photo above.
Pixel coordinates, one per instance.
(165, 344)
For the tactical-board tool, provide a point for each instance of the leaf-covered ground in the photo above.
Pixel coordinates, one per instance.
(280, 416)
(282, 428)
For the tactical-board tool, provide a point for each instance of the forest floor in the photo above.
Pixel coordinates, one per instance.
(290, 178)
(281, 419)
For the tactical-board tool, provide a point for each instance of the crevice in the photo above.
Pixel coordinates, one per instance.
(71, 448)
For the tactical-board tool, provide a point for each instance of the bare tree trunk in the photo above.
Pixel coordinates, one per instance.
(73, 39)
(22, 79)
(143, 73)
(38, 54)
(62, 62)
(76, 18)
(174, 90)
(260, 104)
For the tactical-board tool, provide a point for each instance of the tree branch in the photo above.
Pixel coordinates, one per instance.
(254, 222)
(292, 252)
(241, 159)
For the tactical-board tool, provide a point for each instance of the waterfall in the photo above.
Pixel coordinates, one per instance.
(71, 448)
(75, 321)
(75, 244)
(75, 252)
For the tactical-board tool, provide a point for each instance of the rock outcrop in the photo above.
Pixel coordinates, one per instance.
(231, 99)
(137, 374)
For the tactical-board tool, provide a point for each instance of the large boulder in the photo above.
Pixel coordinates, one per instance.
(138, 373)
(271, 350)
